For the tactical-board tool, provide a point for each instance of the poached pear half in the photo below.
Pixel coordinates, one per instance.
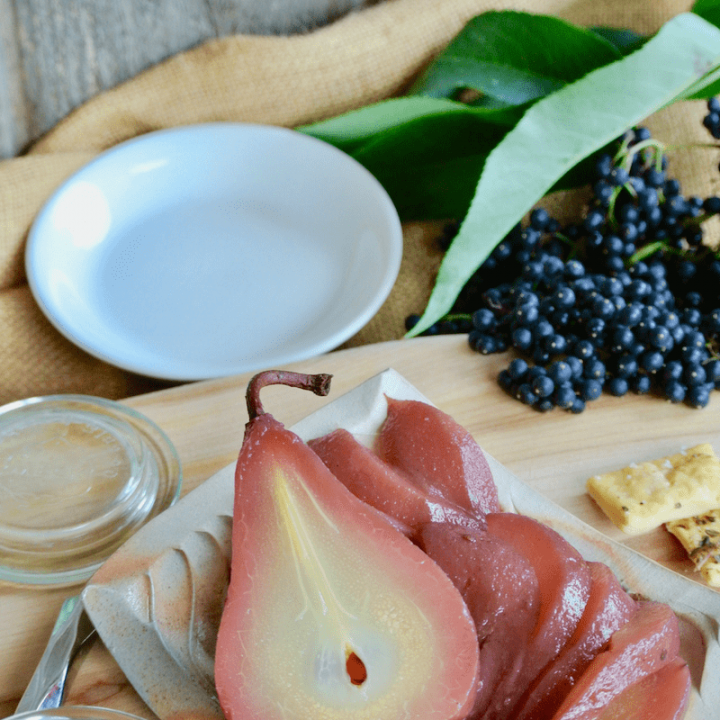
(331, 612)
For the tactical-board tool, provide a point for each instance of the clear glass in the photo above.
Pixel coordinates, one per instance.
(78, 475)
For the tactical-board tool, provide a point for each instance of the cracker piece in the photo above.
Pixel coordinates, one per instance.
(700, 536)
(644, 496)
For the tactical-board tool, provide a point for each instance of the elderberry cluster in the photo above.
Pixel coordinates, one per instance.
(626, 299)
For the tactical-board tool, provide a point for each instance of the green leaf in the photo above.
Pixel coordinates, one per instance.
(350, 130)
(514, 57)
(353, 130)
(430, 166)
(426, 152)
(706, 87)
(559, 131)
(709, 10)
(626, 41)
(709, 86)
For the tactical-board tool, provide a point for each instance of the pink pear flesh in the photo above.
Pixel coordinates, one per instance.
(438, 455)
(663, 695)
(331, 612)
(501, 591)
(608, 608)
(649, 641)
(564, 584)
(379, 484)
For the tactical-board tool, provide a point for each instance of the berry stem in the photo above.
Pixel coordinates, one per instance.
(646, 251)
(611, 204)
(689, 146)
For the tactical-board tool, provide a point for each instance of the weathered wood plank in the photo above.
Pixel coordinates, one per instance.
(13, 104)
(56, 54)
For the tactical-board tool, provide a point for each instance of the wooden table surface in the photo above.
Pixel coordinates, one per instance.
(554, 452)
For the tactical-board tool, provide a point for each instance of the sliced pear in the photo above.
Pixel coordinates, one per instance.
(331, 612)
(664, 695)
(438, 455)
(564, 584)
(379, 484)
(501, 590)
(608, 608)
(649, 641)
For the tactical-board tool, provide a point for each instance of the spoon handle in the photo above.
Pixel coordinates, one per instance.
(47, 685)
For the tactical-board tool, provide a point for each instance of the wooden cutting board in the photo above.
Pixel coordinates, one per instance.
(554, 452)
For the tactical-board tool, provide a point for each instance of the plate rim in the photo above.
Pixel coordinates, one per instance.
(385, 283)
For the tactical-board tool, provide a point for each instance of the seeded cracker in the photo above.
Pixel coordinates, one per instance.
(643, 496)
(700, 536)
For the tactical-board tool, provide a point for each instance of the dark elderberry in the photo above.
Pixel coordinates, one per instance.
(518, 369)
(640, 384)
(578, 406)
(712, 371)
(675, 391)
(698, 396)
(560, 372)
(542, 386)
(712, 120)
(618, 386)
(625, 299)
(590, 390)
(525, 394)
(522, 338)
(564, 396)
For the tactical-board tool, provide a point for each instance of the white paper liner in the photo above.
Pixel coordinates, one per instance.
(157, 601)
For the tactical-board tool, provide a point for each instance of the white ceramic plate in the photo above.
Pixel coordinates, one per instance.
(157, 602)
(216, 249)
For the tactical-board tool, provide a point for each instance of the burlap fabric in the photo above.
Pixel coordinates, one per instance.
(367, 56)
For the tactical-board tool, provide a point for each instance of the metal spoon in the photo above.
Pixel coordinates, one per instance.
(47, 685)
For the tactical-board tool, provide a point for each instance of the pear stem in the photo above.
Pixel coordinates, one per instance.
(319, 384)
